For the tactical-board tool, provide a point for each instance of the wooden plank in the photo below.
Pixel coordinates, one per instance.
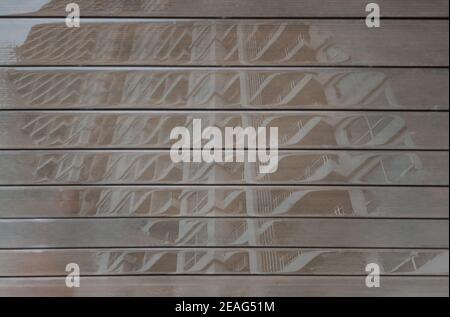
(223, 261)
(218, 88)
(296, 130)
(225, 43)
(156, 167)
(220, 286)
(223, 232)
(228, 8)
(230, 201)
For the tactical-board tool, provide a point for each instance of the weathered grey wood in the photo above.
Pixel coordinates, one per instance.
(221, 42)
(222, 261)
(220, 286)
(196, 232)
(231, 88)
(156, 167)
(296, 130)
(228, 8)
(184, 201)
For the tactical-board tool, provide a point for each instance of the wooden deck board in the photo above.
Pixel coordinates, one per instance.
(218, 88)
(224, 43)
(229, 201)
(296, 130)
(223, 232)
(156, 167)
(15, 263)
(228, 8)
(220, 286)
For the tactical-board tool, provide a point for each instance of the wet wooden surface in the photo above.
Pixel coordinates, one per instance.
(156, 167)
(233, 261)
(296, 130)
(223, 201)
(228, 8)
(219, 286)
(224, 42)
(217, 88)
(338, 233)
(86, 176)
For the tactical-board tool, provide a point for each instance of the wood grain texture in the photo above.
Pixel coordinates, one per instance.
(86, 176)
(231, 261)
(231, 88)
(225, 43)
(220, 286)
(223, 232)
(296, 130)
(216, 201)
(228, 8)
(156, 167)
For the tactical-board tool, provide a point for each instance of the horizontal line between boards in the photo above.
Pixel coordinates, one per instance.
(260, 248)
(223, 247)
(81, 66)
(271, 66)
(168, 149)
(222, 185)
(34, 16)
(223, 218)
(225, 110)
(237, 275)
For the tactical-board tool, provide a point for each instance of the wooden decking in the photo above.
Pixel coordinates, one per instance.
(228, 8)
(86, 176)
